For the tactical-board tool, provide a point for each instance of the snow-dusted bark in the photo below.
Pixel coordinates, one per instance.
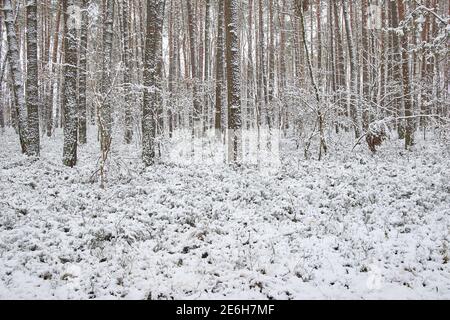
(82, 74)
(56, 37)
(354, 110)
(407, 103)
(250, 68)
(219, 70)
(106, 119)
(70, 86)
(16, 72)
(155, 15)
(396, 54)
(196, 116)
(365, 63)
(234, 135)
(2, 111)
(127, 53)
(32, 81)
(320, 116)
(262, 76)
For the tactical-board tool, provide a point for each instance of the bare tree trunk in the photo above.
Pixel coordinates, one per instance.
(106, 120)
(127, 72)
(53, 81)
(365, 65)
(219, 70)
(82, 75)
(320, 116)
(196, 116)
(155, 14)
(250, 62)
(16, 72)
(233, 82)
(407, 103)
(396, 70)
(69, 88)
(32, 81)
(206, 59)
(2, 72)
(354, 110)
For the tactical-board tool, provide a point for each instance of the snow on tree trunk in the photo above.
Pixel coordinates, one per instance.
(196, 114)
(127, 72)
(2, 111)
(53, 82)
(354, 110)
(70, 85)
(219, 70)
(32, 81)
(234, 134)
(407, 103)
(155, 13)
(82, 75)
(106, 119)
(16, 73)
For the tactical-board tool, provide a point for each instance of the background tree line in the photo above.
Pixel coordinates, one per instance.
(141, 71)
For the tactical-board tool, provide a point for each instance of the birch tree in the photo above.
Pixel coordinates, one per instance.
(13, 59)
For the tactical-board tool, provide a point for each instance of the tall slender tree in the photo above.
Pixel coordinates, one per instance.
(13, 59)
(32, 81)
(82, 74)
(219, 69)
(155, 14)
(127, 71)
(70, 70)
(105, 114)
(233, 81)
(407, 103)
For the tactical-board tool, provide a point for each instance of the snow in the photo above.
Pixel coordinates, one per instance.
(354, 226)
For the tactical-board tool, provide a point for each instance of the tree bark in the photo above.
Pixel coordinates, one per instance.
(155, 13)
(16, 73)
(69, 88)
(233, 82)
(82, 75)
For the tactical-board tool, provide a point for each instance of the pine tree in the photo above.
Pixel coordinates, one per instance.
(219, 69)
(233, 82)
(127, 72)
(407, 103)
(69, 90)
(82, 74)
(105, 114)
(155, 13)
(32, 81)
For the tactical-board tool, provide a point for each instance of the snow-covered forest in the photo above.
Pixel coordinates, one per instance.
(224, 149)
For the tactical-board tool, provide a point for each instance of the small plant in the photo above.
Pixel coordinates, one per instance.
(378, 133)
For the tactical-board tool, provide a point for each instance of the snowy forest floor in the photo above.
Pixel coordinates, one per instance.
(354, 226)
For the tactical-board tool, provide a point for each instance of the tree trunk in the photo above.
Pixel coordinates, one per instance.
(69, 88)
(196, 116)
(219, 69)
(127, 72)
(233, 82)
(407, 103)
(82, 75)
(53, 81)
(106, 120)
(354, 110)
(16, 73)
(155, 13)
